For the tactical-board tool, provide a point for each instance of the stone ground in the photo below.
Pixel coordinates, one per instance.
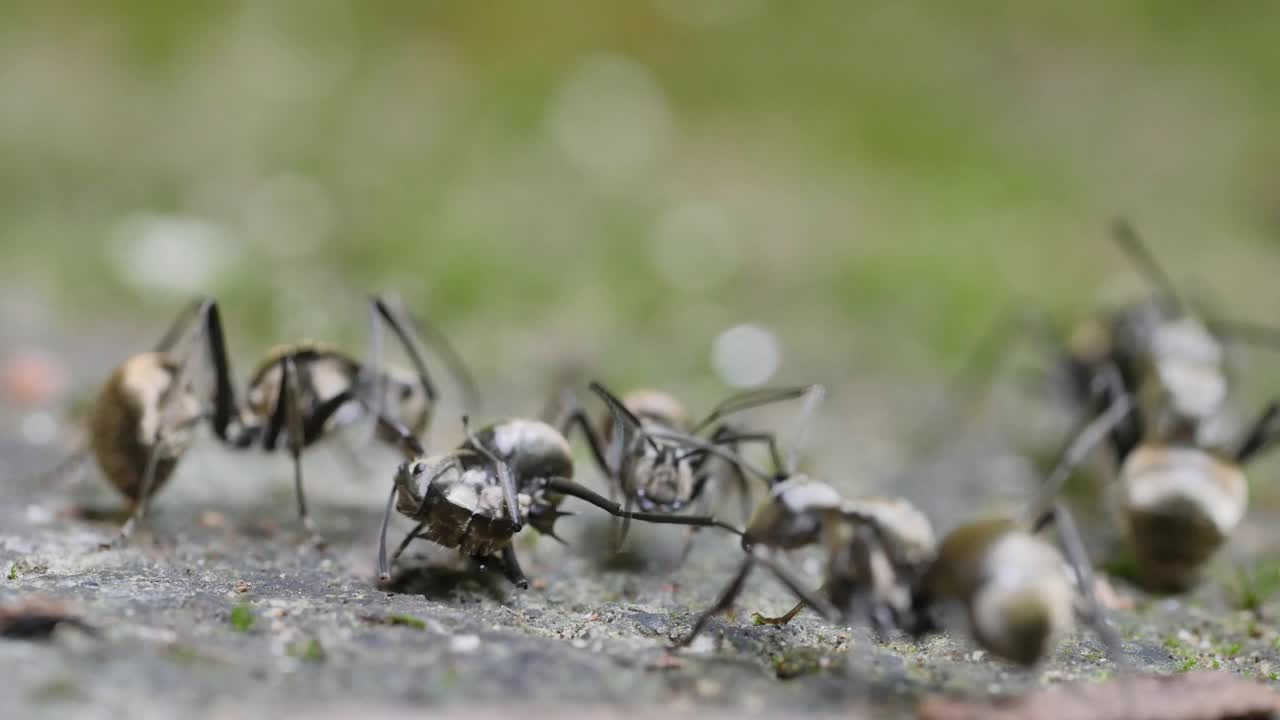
(223, 611)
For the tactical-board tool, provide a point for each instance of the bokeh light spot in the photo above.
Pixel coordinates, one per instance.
(611, 118)
(746, 355)
(694, 247)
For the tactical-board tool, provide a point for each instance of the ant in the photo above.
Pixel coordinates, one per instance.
(652, 460)
(144, 418)
(1180, 493)
(477, 497)
(883, 565)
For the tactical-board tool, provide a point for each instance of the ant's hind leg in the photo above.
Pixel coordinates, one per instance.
(296, 439)
(727, 597)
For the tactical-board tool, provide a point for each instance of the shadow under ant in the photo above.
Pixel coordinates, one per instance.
(445, 583)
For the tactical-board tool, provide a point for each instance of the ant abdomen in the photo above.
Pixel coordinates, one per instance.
(127, 423)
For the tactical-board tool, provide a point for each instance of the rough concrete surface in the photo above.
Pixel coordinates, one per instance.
(223, 610)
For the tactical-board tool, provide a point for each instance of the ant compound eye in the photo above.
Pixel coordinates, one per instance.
(417, 469)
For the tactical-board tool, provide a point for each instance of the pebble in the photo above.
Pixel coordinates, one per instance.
(464, 643)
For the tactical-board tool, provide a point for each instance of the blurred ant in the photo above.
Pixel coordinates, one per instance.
(1179, 494)
(650, 460)
(477, 497)
(883, 564)
(1179, 498)
(145, 415)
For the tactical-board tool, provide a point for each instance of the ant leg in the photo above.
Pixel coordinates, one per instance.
(700, 509)
(506, 479)
(750, 399)
(1090, 436)
(568, 487)
(181, 325)
(383, 310)
(724, 435)
(144, 496)
(511, 568)
(414, 534)
(1262, 435)
(295, 438)
(797, 587)
(569, 413)
(160, 442)
(410, 329)
(384, 568)
(225, 407)
(1078, 558)
(622, 523)
(727, 597)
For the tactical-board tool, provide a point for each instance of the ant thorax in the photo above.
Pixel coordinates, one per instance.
(322, 375)
(1187, 364)
(1023, 603)
(905, 531)
(792, 516)
(461, 500)
(861, 574)
(532, 448)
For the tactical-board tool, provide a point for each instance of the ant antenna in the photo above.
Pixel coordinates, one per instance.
(700, 445)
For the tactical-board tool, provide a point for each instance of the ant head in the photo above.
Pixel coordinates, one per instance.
(415, 477)
(664, 474)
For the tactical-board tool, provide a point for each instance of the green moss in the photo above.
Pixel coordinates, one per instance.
(797, 662)
(1253, 586)
(407, 621)
(1188, 665)
(309, 651)
(242, 618)
(62, 689)
(190, 655)
(13, 571)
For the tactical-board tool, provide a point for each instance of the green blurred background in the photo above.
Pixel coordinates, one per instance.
(611, 185)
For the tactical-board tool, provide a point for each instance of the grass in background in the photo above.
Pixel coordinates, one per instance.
(881, 178)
